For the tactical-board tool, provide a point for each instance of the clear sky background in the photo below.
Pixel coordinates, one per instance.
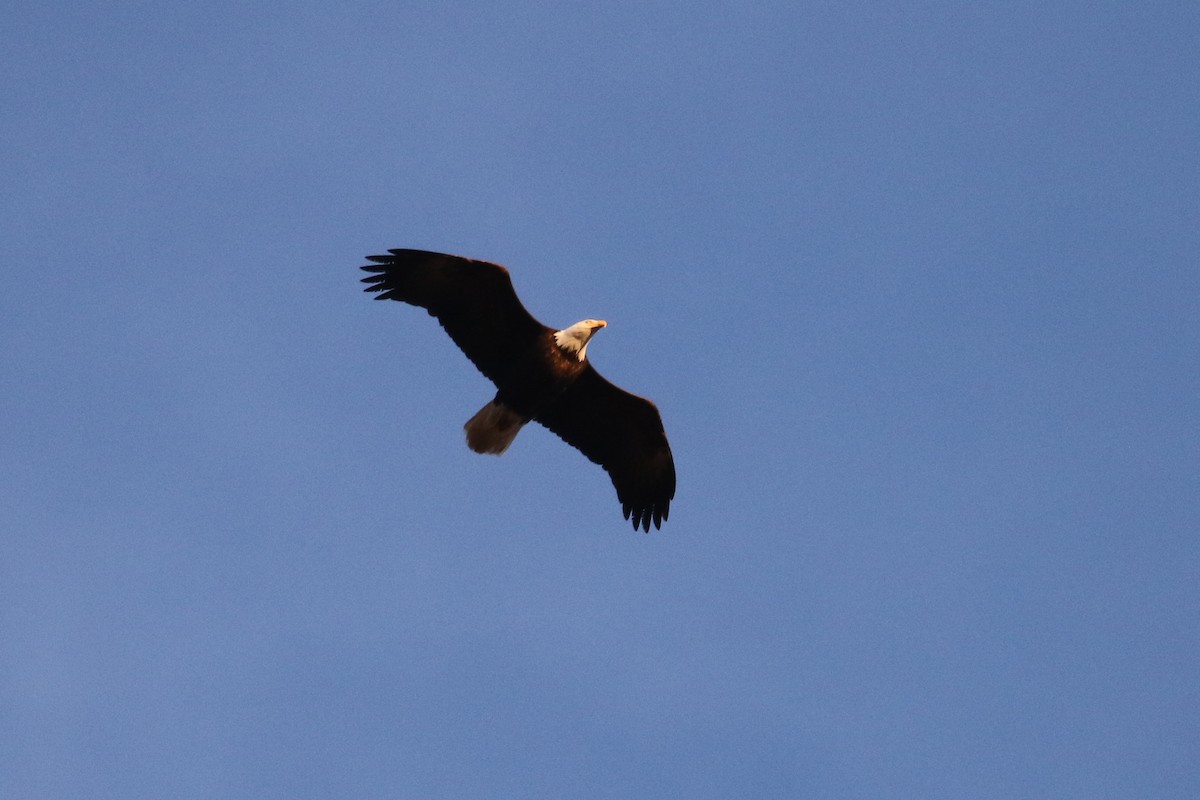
(915, 287)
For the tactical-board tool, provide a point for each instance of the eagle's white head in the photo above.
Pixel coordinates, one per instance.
(574, 340)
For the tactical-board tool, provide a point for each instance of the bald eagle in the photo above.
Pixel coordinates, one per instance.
(540, 374)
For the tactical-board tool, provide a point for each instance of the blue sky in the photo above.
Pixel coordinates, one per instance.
(915, 288)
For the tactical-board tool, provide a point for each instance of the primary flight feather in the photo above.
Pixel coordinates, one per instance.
(540, 373)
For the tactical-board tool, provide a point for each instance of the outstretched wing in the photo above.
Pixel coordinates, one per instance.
(473, 300)
(624, 434)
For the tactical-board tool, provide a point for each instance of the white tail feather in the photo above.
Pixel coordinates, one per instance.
(492, 429)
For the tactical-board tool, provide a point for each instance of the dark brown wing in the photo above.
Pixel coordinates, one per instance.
(473, 300)
(624, 434)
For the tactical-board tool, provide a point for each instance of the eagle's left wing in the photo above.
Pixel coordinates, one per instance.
(624, 434)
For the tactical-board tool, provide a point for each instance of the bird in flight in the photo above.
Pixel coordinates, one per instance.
(541, 375)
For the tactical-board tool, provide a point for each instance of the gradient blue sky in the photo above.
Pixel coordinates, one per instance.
(915, 287)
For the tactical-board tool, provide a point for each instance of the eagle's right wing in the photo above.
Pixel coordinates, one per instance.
(473, 300)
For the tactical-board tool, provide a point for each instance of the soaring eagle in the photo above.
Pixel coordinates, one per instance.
(540, 374)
